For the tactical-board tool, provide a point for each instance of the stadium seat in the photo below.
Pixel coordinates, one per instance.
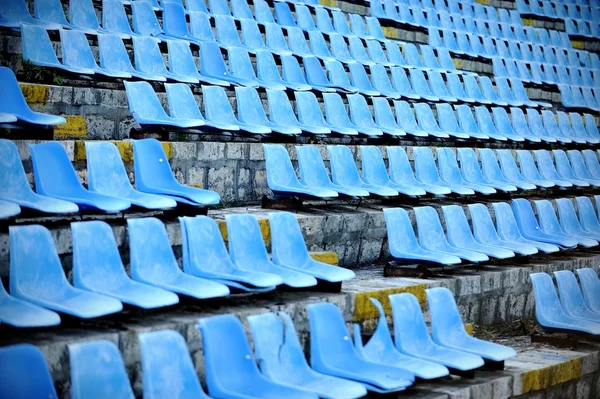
(218, 110)
(149, 60)
(201, 240)
(485, 233)
(511, 171)
(548, 230)
(432, 237)
(97, 370)
(219, 7)
(340, 23)
(200, 27)
(407, 122)
(344, 172)
(246, 247)
(263, 13)
(402, 173)
(590, 286)
(564, 169)
(374, 172)
(332, 355)
(251, 112)
(580, 130)
(570, 223)
(507, 129)
(144, 19)
(538, 128)
(474, 91)
(153, 175)
(181, 63)
(564, 133)
(471, 171)
(413, 339)
(83, 16)
(491, 170)
(213, 66)
(360, 80)
(22, 314)
(272, 333)
(380, 349)
(297, 42)
(316, 77)
(468, 125)
(227, 32)
(429, 124)
(439, 88)
(224, 364)
(159, 267)
(395, 56)
(377, 54)
(336, 115)
(183, 106)
(587, 215)
(571, 297)
(450, 172)
(115, 20)
(114, 57)
(281, 112)
(55, 177)
(565, 127)
(532, 131)
(590, 124)
(509, 230)
(531, 172)
(361, 116)
(32, 273)
(426, 171)
(293, 75)
(549, 312)
(268, 74)
(580, 169)
(384, 116)
(318, 46)
(449, 124)
(401, 83)
(324, 22)
(339, 48)
(25, 373)
(591, 163)
(456, 88)
(420, 85)
(380, 79)
(97, 267)
(489, 93)
(49, 12)
(8, 209)
(448, 330)
(309, 113)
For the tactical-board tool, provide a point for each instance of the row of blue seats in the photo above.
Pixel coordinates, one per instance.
(556, 10)
(39, 288)
(517, 231)
(585, 29)
(538, 73)
(494, 174)
(59, 190)
(577, 309)
(577, 97)
(339, 368)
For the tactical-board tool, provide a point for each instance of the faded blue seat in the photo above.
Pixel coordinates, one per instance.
(98, 371)
(412, 337)
(471, 171)
(8, 209)
(310, 114)
(251, 36)
(314, 174)
(153, 175)
(304, 18)
(590, 286)
(144, 19)
(591, 163)
(548, 230)
(580, 130)
(384, 116)
(564, 125)
(200, 27)
(361, 116)
(323, 19)
(395, 55)
(580, 169)
(107, 175)
(262, 12)
(83, 16)
(485, 233)
(562, 134)
(158, 267)
(360, 80)
(490, 94)
(380, 348)
(281, 176)
(486, 124)
(38, 277)
(201, 240)
(25, 373)
(474, 91)
(97, 267)
(338, 79)
(428, 122)
(340, 23)
(420, 86)
(377, 54)
(493, 172)
(449, 124)
(571, 297)
(413, 57)
(545, 125)
(297, 42)
(468, 124)
(281, 112)
(427, 172)
(403, 242)
(380, 79)
(183, 106)
(115, 20)
(22, 314)
(339, 48)
(359, 29)
(114, 57)
(55, 177)
(402, 173)
(213, 66)
(571, 224)
(225, 364)
(590, 124)
(294, 76)
(333, 355)
(531, 172)
(375, 173)
(450, 172)
(509, 230)
(284, 14)
(167, 366)
(549, 312)
(507, 129)
(227, 32)
(181, 63)
(46, 12)
(219, 7)
(401, 83)
(218, 110)
(432, 237)
(337, 116)
(148, 111)
(344, 172)
(246, 247)
(274, 334)
(532, 130)
(439, 88)
(149, 60)
(511, 171)
(448, 330)
(7, 118)
(456, 88)
(587, 215)
(251, 112)
(564, 169)
(407, 122)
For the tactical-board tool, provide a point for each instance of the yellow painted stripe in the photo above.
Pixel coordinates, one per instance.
(389, 32)
(35, 94)
(528, 22)
(329, 257)
(75, 127)
(457, 63)
(79, 151)
(535, 380)
(168, 147)
(364, 309)
(263, 224)
(469, 328)
(484, 2)
(577, 44)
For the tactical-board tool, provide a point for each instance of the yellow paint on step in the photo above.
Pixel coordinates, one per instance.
(328, 257)
(168, 147)
(457, 63)
(125, 149)
(535, 380)
(35, 94)
(469, 328)
(577, 44)
(364, 309)
(76, 126)
(263, 224)
(484, 2)
(389, 32)
(79, 151)
(528, 22)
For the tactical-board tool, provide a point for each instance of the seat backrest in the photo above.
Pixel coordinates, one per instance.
(227, 32)
(547, 305)
(405, 116)
(360, 111)
(287, 243)
(311, 166)
(262, 12)
(429, 227)
(25, 373)
(335, 110)
(409, 325)
(469, 165)
(53, 172)
(284, 14)
(144, 19)
(280, 108)
(147, 56)
(218, 7)
(13, 181)
(36, 45)
(45, 10)
(315, 75)
(384, 116)
(425, 168)
(449, 170)
(106, 172)
(446, 322)
(425, 116)
(400, 233)
(309, 111)
(174, 23)
(246, 243)
(181, 61)
(98, 371)
(373, 166)
(114, 18)
(200, 26)
(113, 54)
(324, 20)
(280, 171)
(419, 83)
(167, 366)
(76, 50)
(83, 15)
(182, 103)
(151, 165)
(266, 67)
(249, 106)
(216, 105)
(343, 166)
(196, 6)
(483, 226)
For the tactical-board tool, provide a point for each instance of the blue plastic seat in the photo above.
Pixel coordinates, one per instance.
(361, 116)
(381, 349)
(294, 76)
(395, 56)
(590, 286)
(16, 189)
(407, 122)
(530, 127)
(149, 60)
(114, 57)
(144, 19)
(275, 40)
(200, 27)
(246, 247)
(485, 233)
(471, 171)
(420, 86)
(506, 129)
(492, 171)
(359, 29)
(46, 12)
(98, 371)
(344, 172)
(468, 125)
(426, 171)
(549, 312)
(114, 19)
(374, 172)
(403, 242)
(401, 83)
(262, 12)
(281, 112)
(509, 230)
(450, 172)
(25, 373)
(22, 314)
(231, 370)
(304, 18)
(340, 23)
(580, 130)
(181, 63)
(97, 267)
(338, 79)
(402, 173)
(564, 133)
(564, 125)
(548, 230)
(332, 353)
(439, 88)
(8, 209)
(511, 171)
(456, 88)
(360, 80)
(377, 54)
(55, 177)
(571, 224)
(281, 176)
(251, 111)
(251, 36)
(591, 163)
(384, 116)
(153, 175)
(448, 123)
(201, 240)
(218, 110)
(564, 169)
(158, 267)
(175, 25)
(337, 117)
(530, 171)
(590, 124)
(413, 339)
(83, 16)
(432, 237)
(324, 22)
(274, 334)
(571, 297)
(490, 93)
(219, 7)
(587, 215)
(428, 122)
(580, 169)
(297, 42)
(284, 14)
(474, 91)
(379, 77)
(213, 66)
(309, 113)
(448, 330)
(38, 277)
